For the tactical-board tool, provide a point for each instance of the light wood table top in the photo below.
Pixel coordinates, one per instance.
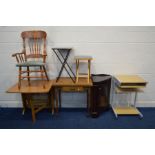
(130, 81)
(36, 87)
(83, 57)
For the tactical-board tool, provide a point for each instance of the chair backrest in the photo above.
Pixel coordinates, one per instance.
(34, 44)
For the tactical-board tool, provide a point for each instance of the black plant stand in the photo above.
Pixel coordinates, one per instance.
(63, 54)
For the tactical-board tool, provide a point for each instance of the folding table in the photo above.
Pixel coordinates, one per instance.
(63, 54)
(28, 92)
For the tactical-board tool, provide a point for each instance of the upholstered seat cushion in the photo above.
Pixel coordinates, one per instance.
(30, 63)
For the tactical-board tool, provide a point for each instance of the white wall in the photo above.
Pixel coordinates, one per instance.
(116, 50)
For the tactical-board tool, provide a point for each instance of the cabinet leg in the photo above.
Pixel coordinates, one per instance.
(88, 100)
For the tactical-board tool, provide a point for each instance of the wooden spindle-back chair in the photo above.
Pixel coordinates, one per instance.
(33, 55)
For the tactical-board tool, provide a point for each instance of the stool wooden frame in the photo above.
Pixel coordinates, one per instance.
(83, 59)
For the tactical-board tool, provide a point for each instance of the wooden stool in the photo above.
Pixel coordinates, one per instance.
(83, 59)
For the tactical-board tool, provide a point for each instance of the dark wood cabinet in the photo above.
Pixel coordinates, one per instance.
(100, 94)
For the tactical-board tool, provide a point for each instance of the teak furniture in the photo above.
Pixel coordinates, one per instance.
(100, 93)
(28, 92)
(33, 55)
(66, 85)
(52, 90)
(62, 55)
(86, 59)
(127, 84)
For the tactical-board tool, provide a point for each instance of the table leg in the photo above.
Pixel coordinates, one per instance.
(53, 100)
(24, 103)
(56, 98)
(59, 92)
(50, 98)
(32, 110)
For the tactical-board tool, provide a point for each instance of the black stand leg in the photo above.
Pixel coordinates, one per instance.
(63, 61)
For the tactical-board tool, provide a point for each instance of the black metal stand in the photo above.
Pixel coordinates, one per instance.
(63, 59)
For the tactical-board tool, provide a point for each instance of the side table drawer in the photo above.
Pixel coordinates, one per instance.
(73, 89)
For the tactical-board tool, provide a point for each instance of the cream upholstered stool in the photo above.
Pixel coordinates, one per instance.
(86, 59)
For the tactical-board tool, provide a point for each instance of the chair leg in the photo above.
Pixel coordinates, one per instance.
(19, 77)
(28, 75)
(42, 76)
(45, 73)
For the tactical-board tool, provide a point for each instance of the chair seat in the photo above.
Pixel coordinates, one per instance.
(30, 63)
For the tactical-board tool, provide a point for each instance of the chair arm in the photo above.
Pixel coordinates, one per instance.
(15, 54)
(20, 57)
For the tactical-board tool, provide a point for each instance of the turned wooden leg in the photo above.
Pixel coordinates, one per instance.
(56, 98)
(28, 75)
(59, 92)
(45, 73)
(42, 76)
(24, 103)
(19, 77)
(32, 110)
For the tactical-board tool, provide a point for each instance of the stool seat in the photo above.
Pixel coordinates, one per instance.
(83, 57)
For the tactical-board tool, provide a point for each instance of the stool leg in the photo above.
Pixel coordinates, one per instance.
(19, 77)
(88, 71)
(77, 70)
